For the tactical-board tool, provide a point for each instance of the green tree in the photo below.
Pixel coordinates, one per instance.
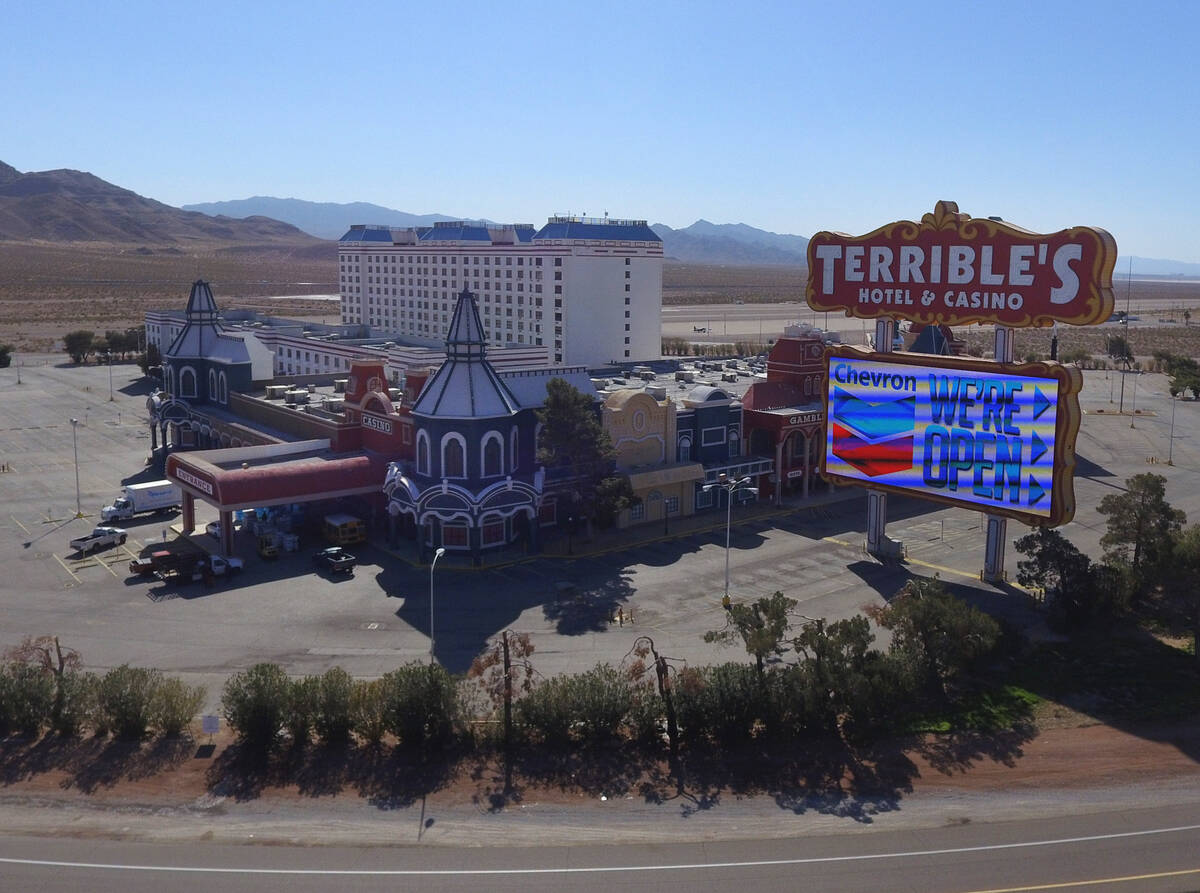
(175, 705)
(78, 344)
(152, 357)
(1141, 526)
(1118, 347)
(6, 351)
(51, 658)
(761, 626)
(420, 705)
(126, 699)
(1054, 564)
(833, 659)
(1183, 586)
(255, 703)
(939, 635)
(575, 447)
(334, 709)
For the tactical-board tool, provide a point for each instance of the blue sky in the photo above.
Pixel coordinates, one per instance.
(791, 117)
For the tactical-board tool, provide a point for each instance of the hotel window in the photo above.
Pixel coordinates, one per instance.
(637, 512)
(671, 505)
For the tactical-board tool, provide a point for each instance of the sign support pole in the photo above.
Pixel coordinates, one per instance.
(885, 331)
(997, 527)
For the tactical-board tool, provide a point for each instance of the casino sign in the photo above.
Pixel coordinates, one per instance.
(955, 269)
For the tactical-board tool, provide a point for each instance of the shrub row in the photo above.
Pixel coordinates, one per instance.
(416, 703)
(724, 704)
(126, 701)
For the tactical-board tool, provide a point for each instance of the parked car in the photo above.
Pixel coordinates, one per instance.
(335, 559)
(101, 536)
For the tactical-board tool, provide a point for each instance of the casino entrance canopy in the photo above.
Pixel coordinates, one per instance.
(273, 474)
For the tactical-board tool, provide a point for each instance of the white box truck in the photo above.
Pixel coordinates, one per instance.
(152, 496)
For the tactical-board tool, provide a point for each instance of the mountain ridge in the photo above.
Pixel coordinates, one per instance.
(66, 205)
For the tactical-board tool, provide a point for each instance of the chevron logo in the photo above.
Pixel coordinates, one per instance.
(875, 436)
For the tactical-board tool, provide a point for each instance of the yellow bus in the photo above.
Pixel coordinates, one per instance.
(342, 530)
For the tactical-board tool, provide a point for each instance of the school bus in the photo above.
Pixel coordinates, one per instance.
(342, 530)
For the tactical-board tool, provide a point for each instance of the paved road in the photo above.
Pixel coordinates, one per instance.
(1146, 849)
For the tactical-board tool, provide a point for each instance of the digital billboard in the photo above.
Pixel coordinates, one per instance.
(955, 269)
(995, 437)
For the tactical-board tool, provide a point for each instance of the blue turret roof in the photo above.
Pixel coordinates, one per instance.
(466, 386)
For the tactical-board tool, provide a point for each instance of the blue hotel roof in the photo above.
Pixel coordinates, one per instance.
(463, 232)
(368, 234)
(576, 229)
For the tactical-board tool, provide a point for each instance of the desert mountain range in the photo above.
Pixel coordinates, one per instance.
(74, 206)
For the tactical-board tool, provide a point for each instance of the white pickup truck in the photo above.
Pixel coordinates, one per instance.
(101, 536)
(219, 567)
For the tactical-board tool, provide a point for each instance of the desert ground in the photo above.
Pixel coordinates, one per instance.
(47, 290)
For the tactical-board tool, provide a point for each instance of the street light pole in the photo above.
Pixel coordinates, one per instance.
(730, 487)
(110, 391)
(1171, 436)
(75, 450)
(436, 555)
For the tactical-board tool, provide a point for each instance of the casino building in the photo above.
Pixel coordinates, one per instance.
(474, 482)
(449, 460)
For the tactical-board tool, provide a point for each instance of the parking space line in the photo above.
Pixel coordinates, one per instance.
(19, 524)
(67, 569)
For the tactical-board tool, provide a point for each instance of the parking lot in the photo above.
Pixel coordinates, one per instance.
(580, 610)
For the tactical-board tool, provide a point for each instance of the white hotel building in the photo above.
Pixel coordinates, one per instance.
(587, 290)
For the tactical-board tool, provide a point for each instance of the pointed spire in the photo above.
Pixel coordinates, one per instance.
(201, 307)
(466, 385)
(465, 338)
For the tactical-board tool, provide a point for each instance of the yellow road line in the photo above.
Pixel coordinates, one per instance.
(834, 539)
(67, 569)
(942, 568)
(19, 524)
(1091, 883)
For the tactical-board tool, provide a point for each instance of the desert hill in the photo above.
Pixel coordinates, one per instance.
(75, 206)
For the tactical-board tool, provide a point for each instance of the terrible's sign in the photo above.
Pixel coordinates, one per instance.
(955, 269)
(992, 437)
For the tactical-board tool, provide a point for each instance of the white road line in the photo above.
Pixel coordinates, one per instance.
(598, 869)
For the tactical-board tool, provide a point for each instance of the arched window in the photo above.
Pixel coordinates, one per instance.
(735, 444)
(422, 453)
(685, 449)
(224, 389)
(491, 530)
(493, 461)
(187, 382)
(212, 384)
(454, 460)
